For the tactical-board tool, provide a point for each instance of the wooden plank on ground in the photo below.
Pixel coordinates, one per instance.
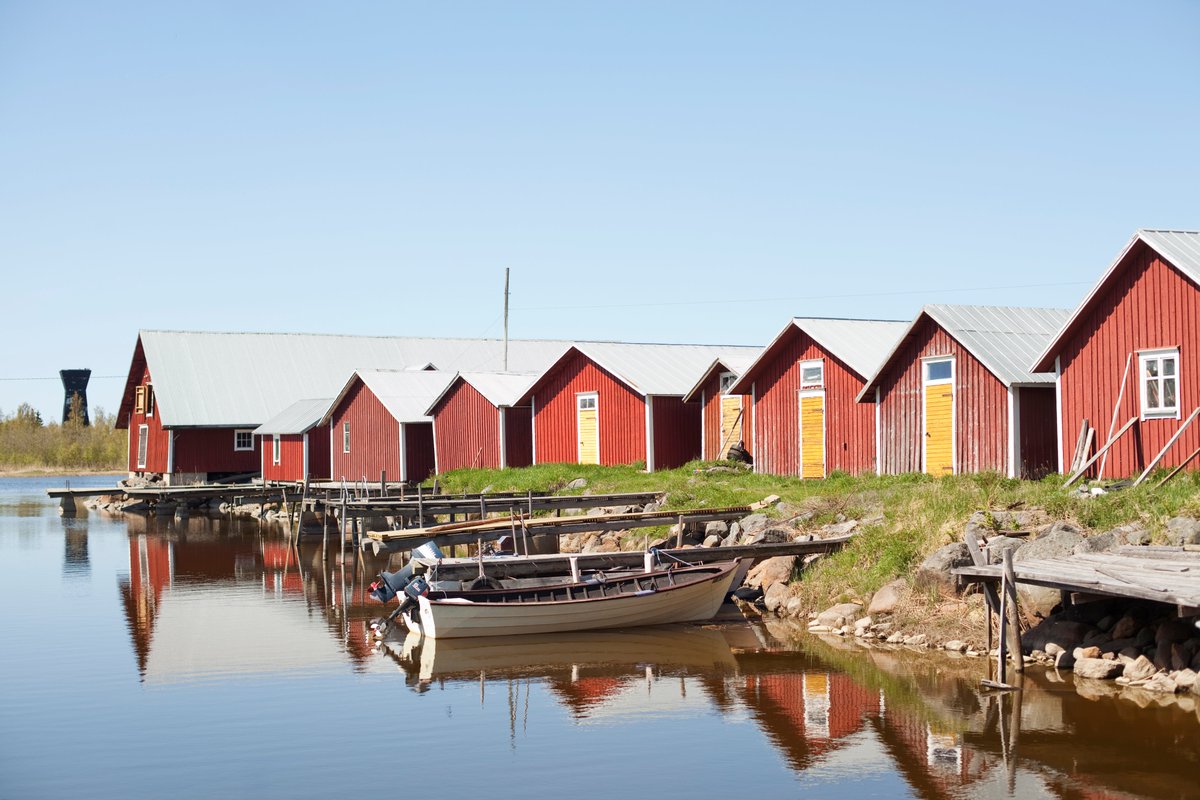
(1083, 468)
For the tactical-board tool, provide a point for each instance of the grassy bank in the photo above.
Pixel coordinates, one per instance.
(919, 513)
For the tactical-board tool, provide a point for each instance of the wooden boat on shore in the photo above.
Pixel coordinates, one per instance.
(687, 594)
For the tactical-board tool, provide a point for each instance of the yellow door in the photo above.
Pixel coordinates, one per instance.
(939, 429)
(731, 423)
(588, 426)
(812, 436)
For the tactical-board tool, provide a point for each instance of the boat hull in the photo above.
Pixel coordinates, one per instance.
(688, 602)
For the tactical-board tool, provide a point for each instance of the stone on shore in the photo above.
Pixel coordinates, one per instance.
(1097, 668)
(1140, 669)
(771, 571)
(839, 615)
(1183, 530)
(887, 598)
(938, 569)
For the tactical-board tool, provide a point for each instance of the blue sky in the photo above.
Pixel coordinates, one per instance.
(650, 171)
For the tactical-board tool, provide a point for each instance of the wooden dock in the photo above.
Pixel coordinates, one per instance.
(535, 566)
(1164, 574)
(491, 529)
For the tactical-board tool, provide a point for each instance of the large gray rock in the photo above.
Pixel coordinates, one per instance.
(716, 528)
(776, 596)
(887, 598)
(769, 535)
(938, 569)
(772, 571)
(839, 615)
(1097, 668)
(1057, 542)
(1100, 543)
(994, 552)
(754, 523)
(1183, 530)
(578, 483)
(1139, 669)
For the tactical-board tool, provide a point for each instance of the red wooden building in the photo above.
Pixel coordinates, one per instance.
(955, 395)
(804, 388)
(726, 417)
(378, 425)
(611, 403)
(478, 422)
(192, 400)
(1139, 326)
(294, 443)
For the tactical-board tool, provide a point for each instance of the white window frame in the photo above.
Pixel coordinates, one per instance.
(143, 445)
(808, 364)
(1161, 354)
(150, 401)
(276, 449)
(237, 434)
(726, 380)
(346, 436)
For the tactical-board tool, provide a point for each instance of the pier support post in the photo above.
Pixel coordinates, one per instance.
(66, 505)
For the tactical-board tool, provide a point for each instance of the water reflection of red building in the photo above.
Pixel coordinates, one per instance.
(201, 554)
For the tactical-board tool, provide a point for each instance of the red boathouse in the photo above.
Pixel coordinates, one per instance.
(612, 403)
(955, 395)
(294, 443)
(1138, 327)
(726, 417)
(478, 421)
(805, 385)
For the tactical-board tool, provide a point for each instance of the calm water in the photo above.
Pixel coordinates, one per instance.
(209, 658)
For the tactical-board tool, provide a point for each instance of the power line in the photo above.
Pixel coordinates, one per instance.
(857, 295)
(56, 378)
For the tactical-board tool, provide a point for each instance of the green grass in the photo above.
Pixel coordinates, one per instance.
(919, 513)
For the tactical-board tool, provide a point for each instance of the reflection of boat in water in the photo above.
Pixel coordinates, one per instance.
(666, 647)
(655, 598)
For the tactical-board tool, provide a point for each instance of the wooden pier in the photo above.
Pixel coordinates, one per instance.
(1164, 574)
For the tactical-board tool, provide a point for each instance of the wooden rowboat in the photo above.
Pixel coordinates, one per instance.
(687, 594)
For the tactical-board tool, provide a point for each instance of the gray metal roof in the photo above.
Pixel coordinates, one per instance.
(404, 393)
(737, 365)
(1179, 248)
(1005, 339)
(661, 369)
(500, 388)
(242, 379)
(861, 344)
(299, 417)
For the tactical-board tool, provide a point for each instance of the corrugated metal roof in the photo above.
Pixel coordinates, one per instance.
(1180, 248)
(500, 388)
(405, 394)
(661, 369)
(737, 366)
(862, 344)
(300, 416)
(1005, 339)
(242, 379)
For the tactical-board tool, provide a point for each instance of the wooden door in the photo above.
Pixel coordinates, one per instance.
(812, 435)
(587, 424)
(939, 417)
(731, 423)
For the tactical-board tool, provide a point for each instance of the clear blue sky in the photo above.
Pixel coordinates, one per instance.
(686, 171)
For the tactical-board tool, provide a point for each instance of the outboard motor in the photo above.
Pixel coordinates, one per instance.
(390, 584)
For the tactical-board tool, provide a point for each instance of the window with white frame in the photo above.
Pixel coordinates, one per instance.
(275, 449)
(812, 374)
(345, 437)
(143, 445)
(586, 402)
(939, 370)
(728, 379)
(243, 440)
(1160, 383)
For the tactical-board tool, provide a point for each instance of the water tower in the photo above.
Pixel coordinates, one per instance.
(75, 383)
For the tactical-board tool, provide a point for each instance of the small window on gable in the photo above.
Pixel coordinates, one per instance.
(345, 437)
(275, 448)
(728, 379)
(812, 374)
(586, 402)
(1159, 370)
(243, 440)
(139, 400)
(940, 370)
(149, 400)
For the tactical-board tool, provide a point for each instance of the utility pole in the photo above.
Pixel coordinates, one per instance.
(506, 319)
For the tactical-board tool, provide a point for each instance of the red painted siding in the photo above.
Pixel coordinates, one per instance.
(1147, 305)
(291, 458)
(676, 432)
(980, 406)
(318, 453)
(210, 451)
(849, 426)
(518, 431)
(418, 451)
(374, 437)
(621, 414)
(467, 429)
(710, 446)
(158, 441)
(1039, 438)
